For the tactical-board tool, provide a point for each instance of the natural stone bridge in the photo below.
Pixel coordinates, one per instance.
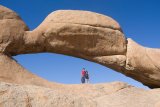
(82, 34)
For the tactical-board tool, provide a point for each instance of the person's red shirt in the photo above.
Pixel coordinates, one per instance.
(83, 73)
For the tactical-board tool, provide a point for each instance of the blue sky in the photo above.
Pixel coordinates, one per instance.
(139, 19)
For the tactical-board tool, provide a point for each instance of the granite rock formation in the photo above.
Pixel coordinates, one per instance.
(115, 94)
(87, 35)
(82, 34)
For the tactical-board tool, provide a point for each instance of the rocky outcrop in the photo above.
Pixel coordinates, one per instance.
(114, 94)
(144, 62)
(12, 72)
(12, 30)
(82, 34)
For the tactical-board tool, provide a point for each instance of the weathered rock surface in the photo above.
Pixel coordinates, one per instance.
(12, 30)
(143, 61)
(82, 34)
(99, 40)
(11, 71)
(92, 39)
(114, 94)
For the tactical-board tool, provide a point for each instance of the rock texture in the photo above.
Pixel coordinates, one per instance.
(12, 30)
(114, 94)
(11, 71)
(143, 61)
(82, 34)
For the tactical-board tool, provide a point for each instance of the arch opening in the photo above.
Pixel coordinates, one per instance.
(66, 69)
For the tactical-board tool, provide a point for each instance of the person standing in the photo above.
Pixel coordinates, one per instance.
(87, 76)
(83, 73)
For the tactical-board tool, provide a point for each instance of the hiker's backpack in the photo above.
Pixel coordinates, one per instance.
(86, 75)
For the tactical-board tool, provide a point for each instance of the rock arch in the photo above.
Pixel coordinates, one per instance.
(82, 34)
